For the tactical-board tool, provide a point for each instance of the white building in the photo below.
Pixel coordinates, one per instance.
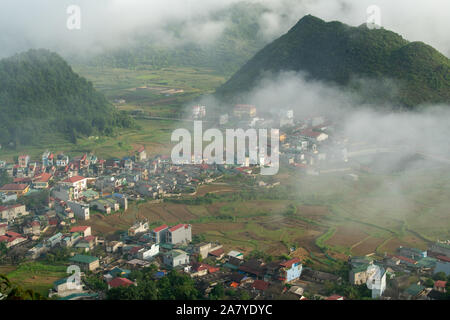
(78, 184)
(148, 252)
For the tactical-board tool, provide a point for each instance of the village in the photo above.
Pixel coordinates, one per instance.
(78, 187)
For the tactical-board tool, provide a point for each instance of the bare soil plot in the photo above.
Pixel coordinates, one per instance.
(367, 246)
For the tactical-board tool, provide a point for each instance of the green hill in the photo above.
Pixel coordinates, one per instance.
(338, 53)
(39, 93)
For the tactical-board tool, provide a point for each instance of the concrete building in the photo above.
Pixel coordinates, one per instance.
(85, 231)
(181, 233)
(148, 252)
(175, 258)
(18, 189)
(80, 210)
(86, 263)
(158, 234)
(77, 183)
(9, 213)
(113, 246)
(291, 270)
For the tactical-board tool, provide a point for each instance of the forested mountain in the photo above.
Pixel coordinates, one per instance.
(338, 53)
(39, 93)
(240, 40)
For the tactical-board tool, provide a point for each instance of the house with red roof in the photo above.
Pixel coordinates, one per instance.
(120, 282)
(42, 181)
(84, 230)
(218, 253)
(440, 286)
(141, 154)
(290, 270)
(77, 183)
(158, 234)
(199, 269)
(11, 239)
(181, 233)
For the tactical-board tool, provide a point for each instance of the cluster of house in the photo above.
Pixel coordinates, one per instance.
(170, 248)
(304, 142)
(408, 261)
(84, 184)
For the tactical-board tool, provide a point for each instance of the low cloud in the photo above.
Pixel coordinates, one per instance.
(108, 24)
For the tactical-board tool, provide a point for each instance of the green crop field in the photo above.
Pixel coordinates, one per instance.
(37, 276)
(161, 92)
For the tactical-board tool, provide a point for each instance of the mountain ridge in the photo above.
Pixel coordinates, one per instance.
(335, 52)
(40, 93)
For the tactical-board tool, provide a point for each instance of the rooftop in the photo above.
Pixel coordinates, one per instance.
(74, 179)
(160, 228)
(14, 187)
(79, 228)
(289, 263)
(83, 259)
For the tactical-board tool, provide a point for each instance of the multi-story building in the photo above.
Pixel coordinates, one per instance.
(290, 270)
(181, 233)
(62, 160)
(24, 160)
(175, 258)
(158, 234)
(80, 210)
(47, 159)
(77, 183)
(86, 263)
(9, 213)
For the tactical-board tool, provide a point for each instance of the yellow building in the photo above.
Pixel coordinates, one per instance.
(18, 189)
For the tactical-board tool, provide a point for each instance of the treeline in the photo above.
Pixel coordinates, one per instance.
(39, 93)
(173, 286)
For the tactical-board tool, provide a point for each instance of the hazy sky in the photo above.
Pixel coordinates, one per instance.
(116, 23)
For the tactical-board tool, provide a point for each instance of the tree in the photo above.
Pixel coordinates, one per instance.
(244, 295)
(440, 276)
(4, 178)
(217, 293)
(429, 283)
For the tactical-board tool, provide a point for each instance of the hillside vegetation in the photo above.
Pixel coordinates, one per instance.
(39, 93)
(338, 53)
